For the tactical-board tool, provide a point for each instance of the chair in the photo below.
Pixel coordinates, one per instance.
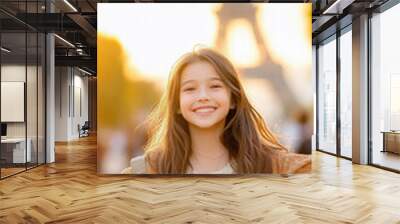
(84, 130)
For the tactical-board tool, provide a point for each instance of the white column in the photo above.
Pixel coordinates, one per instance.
(50, 92)
(50, 100)
(360, 90)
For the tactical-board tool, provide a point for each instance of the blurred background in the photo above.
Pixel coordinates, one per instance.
(269, 44)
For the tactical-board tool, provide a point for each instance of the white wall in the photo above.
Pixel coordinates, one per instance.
(61, 103)
(71, 94)
(12, 73)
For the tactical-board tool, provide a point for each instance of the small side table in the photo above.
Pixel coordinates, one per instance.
(391, 141)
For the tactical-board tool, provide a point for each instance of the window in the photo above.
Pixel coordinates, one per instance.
(22, 78)
(327, 96)
(385, 89)
(346, 93)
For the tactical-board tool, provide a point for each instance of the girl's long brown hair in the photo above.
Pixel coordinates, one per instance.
(249, 141)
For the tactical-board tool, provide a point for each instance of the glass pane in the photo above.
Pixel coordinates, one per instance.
(386, 89)
(327, 96)
(22, 67)
(31, 97)
(346, 94)
(41, 98)
(32, 85)
(13, 87)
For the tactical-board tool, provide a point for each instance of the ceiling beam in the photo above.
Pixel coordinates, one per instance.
(337, 6)
(84, 61)
(86, 26)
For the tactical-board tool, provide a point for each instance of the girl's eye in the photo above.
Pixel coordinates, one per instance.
(216, 86)
(188, 89)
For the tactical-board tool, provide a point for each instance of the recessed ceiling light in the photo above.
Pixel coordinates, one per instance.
(70, 5)
(84, 71)
(337, 7)
(64, 40)
(5, 50)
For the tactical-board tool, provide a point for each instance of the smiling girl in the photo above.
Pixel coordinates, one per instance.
(205, 124)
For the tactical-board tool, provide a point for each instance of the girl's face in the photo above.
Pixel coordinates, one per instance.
(204, 99)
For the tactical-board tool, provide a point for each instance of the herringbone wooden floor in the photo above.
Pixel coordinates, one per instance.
(70, 191)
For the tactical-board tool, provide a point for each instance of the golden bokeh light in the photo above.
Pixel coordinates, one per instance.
(153, 44)
(242, 46)
(287, 32)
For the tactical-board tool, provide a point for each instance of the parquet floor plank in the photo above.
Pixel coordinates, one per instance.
(70, 191)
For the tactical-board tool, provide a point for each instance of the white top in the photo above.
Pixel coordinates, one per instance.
(138, 166)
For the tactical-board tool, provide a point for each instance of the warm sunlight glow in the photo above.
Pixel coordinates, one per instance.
(241, 45)
(152, 43)
(288, 45)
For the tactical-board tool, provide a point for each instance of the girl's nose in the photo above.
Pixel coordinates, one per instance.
(203, 94)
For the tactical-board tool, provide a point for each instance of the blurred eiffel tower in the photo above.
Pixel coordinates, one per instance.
(268, 70)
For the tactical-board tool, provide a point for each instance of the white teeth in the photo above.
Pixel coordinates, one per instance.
(204, 110)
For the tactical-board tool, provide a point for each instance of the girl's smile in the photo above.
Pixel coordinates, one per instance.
(204, 110)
